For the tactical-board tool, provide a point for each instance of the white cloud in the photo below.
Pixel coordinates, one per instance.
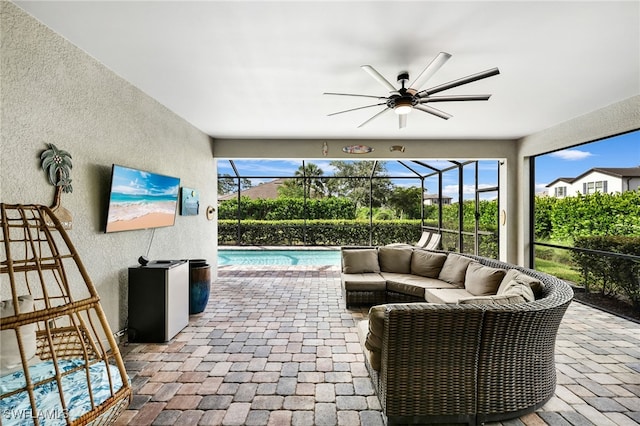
(452, 190)
(541, 188)
(571, 154)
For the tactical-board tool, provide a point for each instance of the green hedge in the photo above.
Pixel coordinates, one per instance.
(610, 275)
(564, 219)
(285, 208)
(317, 232)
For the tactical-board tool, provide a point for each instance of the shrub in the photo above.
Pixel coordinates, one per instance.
(317, 232)
(612, 275)
(285, 208)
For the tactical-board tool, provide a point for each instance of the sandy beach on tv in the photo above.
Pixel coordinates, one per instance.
(150, 220)
(123, 217)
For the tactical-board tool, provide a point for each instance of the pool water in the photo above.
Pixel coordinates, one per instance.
(278, 257)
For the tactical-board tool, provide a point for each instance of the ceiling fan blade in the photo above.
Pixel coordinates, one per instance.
(375, 116)
(434, 111)
(355, 109)
(454, 98)
(430, 70)
(378, 77)
(460, 82)
(352, 94)
(402, 121)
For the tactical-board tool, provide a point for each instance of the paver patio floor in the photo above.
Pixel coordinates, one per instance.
(277, 347)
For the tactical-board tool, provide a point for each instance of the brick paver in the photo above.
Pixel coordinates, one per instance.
(277, 347)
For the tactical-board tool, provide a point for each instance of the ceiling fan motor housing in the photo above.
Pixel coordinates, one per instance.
(404, 99)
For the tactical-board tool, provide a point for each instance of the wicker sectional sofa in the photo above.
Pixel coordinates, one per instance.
(467, 357)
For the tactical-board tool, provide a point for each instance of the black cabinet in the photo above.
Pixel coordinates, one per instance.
(158, 300)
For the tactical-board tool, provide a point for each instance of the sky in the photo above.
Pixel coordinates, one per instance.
(618, 151)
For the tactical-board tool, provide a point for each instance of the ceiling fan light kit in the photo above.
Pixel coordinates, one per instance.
(405, 99)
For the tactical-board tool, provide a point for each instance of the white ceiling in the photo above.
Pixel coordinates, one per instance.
(239, 69)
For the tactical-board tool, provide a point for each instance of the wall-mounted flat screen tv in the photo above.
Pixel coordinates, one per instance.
(141, 200)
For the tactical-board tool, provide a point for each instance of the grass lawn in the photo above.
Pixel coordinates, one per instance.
(558, 270)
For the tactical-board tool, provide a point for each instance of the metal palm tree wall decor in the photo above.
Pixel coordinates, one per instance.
(57, 164)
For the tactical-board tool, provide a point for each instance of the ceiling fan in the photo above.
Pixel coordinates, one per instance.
(405, 99)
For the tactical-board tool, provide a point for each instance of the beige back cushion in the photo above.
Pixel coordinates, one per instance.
(491, 300)
(454, 269)
(10, 359)
(481, 280)
(374, 337)
(513, 274)
(395, 259)
(359, 261)
(427, 263)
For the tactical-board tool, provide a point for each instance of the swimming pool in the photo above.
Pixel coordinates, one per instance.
(278, 257)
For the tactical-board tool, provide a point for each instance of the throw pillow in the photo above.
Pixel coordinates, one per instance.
(516, 287)
(427, 263)
(454, 269)
(535, 284)
(491, 300)
(360, 261)
(395, 259)
(481, 280)
(9, 351)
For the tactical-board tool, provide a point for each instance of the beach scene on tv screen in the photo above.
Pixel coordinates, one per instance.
(141, 200)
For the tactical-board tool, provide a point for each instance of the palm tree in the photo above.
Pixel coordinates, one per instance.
(57, 164)
(310, 177)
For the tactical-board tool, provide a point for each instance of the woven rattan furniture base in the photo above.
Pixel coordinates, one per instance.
(37, 259)
(469, 363)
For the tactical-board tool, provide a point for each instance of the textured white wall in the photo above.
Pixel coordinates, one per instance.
(52, 92)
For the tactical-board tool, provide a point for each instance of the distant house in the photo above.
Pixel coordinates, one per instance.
(267, 190)
(599, 179)
(434, 199)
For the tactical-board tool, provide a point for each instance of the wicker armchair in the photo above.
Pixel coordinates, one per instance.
(60, 363)
(469, 363)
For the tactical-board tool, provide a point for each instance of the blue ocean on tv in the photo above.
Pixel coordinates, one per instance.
(141, 199)
(121, 198)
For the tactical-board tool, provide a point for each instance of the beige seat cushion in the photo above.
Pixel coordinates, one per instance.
(413, 285)
(426, 282)
(10, 359)
(396, 277)
(362, 282)
(513, 274)
(401, 283)
(406, 288)
(395, 259)
(373, 341)
(446, 295)
(481, 280)
(426, 263)
(492, 300)
(454, 269)
(358, 261)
